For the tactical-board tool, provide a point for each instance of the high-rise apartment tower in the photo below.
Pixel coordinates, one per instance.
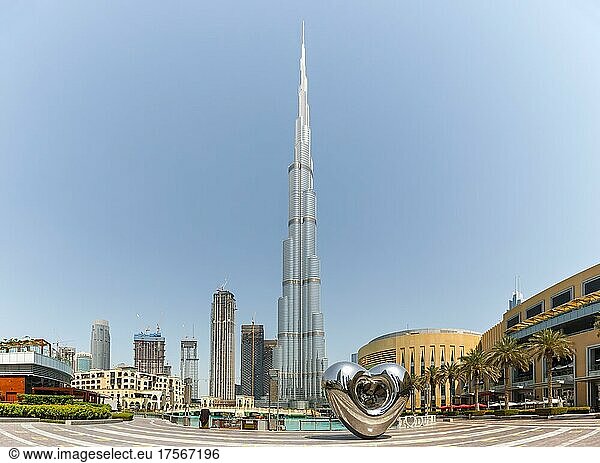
(100, 345)
(222, 346)
(300, 353)
(252, 357)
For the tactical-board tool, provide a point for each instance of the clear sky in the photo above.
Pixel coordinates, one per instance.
(144, 149)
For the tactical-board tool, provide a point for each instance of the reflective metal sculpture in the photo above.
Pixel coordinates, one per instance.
(367, 402)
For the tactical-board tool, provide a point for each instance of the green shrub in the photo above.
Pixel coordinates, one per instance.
(550, 411)
(578, 410)
(509, 412)
(526, 412)
(56, 412)
(35, 399)
(125, 416)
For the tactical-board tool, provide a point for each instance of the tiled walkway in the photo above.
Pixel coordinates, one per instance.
(155, 432)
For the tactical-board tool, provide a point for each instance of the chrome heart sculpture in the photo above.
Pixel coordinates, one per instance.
(367, 402)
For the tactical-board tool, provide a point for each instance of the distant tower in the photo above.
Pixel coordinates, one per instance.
(189, 364)
(67, 355)
(252, 368)
(269, 346)
(222, 345)
(83, 361)
(100, 345)
(517, 296)
(149, 352)
(300, 354)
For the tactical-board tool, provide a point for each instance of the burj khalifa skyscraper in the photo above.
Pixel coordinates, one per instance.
(300, 354)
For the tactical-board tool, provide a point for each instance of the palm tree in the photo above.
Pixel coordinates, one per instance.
(433, 376)
(549, 344)
(508, 353)
(415, 383)
(452, 372)
(476, 367)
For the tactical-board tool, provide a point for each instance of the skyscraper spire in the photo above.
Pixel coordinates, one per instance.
(300, 353)
(303, 111)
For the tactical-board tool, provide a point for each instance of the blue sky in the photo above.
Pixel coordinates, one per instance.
(144, 150)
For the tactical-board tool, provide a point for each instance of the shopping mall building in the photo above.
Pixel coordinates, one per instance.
(419, 349)
(569, 306)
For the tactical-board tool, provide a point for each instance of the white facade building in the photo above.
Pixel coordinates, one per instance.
(130, 389)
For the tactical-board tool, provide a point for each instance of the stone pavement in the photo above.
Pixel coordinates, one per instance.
(149, 432)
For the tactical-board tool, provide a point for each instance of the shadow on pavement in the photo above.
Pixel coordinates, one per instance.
(345, 437)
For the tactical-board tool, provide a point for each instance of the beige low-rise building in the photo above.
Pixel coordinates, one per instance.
(127, 388)
(418, 349)
(569, 306)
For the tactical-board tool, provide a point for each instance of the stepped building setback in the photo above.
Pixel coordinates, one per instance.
(300, 354)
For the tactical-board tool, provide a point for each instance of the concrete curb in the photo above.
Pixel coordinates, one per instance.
(574, 416)
(19, 420)
(82, 422)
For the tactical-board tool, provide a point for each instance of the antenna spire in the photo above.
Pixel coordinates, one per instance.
(303, 110)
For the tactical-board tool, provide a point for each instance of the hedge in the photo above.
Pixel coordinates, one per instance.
(125, 416)
(56, 412)
(509, 412)
(578, 410)
(551, 411)
(35, 399)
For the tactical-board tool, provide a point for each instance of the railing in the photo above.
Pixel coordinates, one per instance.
(320, 425)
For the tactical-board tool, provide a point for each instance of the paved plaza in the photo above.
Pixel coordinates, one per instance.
(155, 432)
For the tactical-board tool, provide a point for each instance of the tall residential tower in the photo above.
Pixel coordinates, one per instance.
(222, 346)
(252, 356)
(100, 345)
(300, 354)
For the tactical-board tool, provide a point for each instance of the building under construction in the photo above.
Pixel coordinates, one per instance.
(149, 352)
